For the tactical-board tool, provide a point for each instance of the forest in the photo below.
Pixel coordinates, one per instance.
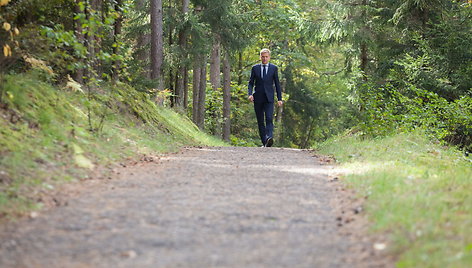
(367, 67)
(385, 87)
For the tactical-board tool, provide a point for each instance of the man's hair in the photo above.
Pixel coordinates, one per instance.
(264, 50)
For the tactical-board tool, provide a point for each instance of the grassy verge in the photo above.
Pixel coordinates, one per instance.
(45, 136)
(417, 191)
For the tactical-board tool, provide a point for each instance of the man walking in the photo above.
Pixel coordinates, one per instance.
(264, 76)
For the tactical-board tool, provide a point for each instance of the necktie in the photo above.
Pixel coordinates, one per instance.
(264, 71)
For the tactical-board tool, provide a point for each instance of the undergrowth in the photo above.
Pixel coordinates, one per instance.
(417, 191)
(51, 135)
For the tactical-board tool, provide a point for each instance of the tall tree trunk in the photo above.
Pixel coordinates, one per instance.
(240, 68)
(90, 11)
(226, 97)
(197, 72)
(280, 112)
(143, 53)
(117, 31)
(202, 93)
(186, 88)
(99, 7)
(185, 9)
(171, 71)
(157, 43)
(280, 109)
(180, 93)
(215, 81)
(79, 73)
(364, 54)
(215, 64)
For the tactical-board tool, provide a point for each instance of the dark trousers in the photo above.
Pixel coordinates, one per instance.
(264, 109)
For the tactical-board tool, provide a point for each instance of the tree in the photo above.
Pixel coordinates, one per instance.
(226, 96)
(181, 90)
(196, 89)
(157, 43)
(202, 93)
(79, 72)
(117, 31)
(215, 63)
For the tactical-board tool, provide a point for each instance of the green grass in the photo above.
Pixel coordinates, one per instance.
(418, 192)
(45, 136)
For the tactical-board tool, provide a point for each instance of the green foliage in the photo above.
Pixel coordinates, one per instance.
(413, 68)
(427, 89)
(416, 192)
(63, 51)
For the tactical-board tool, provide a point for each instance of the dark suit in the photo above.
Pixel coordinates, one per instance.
(264, 97)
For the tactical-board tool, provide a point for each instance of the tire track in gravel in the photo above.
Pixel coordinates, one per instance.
(204, 207)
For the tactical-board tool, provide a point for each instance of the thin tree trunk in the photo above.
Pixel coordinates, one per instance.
(117, 31)
(197, 72)
(215, 64)
(280, 112)
(215, 81)
(226, 97)
(143, 53)
(186, 88)
(100, 8)
(202, 93)
(79, 73)
(180, 93)
(90, 43)
(280, 109)
(157, 43)
(171, 79)
(240, 68)
(364, 54)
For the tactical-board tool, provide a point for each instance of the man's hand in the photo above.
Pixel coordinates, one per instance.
(280, 103)
(251, 98)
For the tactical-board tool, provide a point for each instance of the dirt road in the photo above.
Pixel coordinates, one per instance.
(207, 207)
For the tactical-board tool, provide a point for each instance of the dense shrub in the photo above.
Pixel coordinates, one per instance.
(389, 109)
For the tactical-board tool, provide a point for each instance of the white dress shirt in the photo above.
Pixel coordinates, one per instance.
(262, 69)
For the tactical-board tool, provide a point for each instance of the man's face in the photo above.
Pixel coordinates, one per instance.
(265, 57)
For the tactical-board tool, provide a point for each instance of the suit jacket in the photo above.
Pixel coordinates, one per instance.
(265, 84)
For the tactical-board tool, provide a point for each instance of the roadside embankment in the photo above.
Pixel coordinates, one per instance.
(50, 135)
(416, 191)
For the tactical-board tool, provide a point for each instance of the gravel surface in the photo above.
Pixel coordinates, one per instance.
(203, 207)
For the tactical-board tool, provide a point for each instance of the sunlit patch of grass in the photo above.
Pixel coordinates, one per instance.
(417, 191)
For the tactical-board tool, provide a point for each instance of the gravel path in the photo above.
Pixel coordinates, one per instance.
(207, 207)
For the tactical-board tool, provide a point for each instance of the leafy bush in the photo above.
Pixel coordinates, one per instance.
(389, 109)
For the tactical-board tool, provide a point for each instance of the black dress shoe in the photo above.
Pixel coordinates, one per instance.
(269, 142)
